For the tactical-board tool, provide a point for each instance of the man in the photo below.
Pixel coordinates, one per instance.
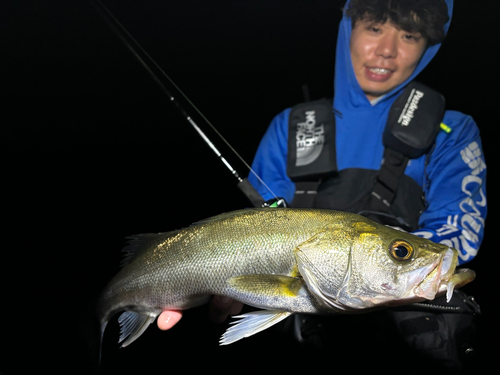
(382, 46)
(376, 58)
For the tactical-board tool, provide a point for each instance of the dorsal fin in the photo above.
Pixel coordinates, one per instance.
(139, 242)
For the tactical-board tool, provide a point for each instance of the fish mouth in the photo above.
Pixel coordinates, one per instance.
(443, 276)
(461, 277)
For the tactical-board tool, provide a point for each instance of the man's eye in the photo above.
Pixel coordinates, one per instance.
(412, 37)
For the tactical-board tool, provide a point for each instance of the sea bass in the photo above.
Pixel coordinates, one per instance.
(282, 261)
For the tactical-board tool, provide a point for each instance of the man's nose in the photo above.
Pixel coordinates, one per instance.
(387, 47)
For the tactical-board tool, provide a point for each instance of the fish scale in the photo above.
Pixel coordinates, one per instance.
(283, 261)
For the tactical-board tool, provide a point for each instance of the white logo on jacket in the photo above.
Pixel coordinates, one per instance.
(310, 139)
(468, 225)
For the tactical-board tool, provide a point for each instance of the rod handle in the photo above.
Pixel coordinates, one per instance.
(251, 193)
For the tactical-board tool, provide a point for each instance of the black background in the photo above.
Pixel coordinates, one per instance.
(93, 151)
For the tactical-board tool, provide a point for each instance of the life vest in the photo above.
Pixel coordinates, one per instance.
(387, 195)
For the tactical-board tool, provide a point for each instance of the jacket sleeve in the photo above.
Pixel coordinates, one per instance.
(270, 161)
(456, 189)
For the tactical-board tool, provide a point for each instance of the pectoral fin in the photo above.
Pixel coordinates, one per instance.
(260, 288)
(267, 285)
(252, 323)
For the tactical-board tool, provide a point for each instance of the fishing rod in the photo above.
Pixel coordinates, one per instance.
(148, 63)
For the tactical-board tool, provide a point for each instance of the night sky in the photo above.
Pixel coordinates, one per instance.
(94, 151)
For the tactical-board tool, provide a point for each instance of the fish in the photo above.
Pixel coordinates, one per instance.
(280, 261)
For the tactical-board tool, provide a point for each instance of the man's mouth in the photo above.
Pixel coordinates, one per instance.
(381, 71)
(378, 74)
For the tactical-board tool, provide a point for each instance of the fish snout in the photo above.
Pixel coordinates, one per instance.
(444, 277)
(435, 274)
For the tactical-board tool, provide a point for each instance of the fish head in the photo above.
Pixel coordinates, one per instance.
(361, 264)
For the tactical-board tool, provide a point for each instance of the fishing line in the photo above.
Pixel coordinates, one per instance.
(134, 47)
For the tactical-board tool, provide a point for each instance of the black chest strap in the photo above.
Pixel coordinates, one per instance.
(412, 126)
(387, 181)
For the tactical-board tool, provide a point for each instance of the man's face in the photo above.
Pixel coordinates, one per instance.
(383, 56)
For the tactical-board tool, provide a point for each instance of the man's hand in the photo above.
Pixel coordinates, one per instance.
(219, 309)
(168, 319)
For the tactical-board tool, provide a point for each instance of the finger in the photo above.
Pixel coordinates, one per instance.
(219, 308)
(222, 303)
(236, 308)
(168, 319)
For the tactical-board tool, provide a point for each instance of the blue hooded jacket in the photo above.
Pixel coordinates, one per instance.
(453, 181)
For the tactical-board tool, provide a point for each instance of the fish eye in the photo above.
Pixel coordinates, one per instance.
(401, 250)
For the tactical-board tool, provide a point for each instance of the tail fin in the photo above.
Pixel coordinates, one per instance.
(103, 327)
(133, 325)
(87, 328)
